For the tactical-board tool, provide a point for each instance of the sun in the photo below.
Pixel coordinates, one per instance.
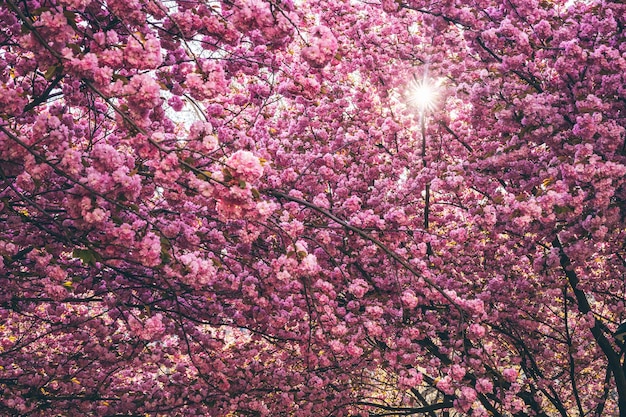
(423, 94)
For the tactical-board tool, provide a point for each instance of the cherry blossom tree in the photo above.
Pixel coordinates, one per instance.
(239, 207)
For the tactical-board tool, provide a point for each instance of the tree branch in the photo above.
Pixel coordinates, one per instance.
(596, 330)
(392, 254)
(405, 411)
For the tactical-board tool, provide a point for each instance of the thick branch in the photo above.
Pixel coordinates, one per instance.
(403, 411)
(596, 330)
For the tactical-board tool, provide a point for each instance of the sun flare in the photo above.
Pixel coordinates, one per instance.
(424, 94)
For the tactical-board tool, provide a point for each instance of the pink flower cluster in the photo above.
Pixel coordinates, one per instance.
(142, 54)
(264, 25)
(152, 259)
(246, 166)
(359, 288)
(322, 47)
(143, 93)
(152, 328)
(209, 81)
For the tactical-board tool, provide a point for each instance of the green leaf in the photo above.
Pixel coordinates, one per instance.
(121, 78)
(50, 72)
(39, 10)
(228, 177)
(166, 258)
(562, 209)
(204, 175)
(75, 48)
(88, 256)
(165, 243)
(71, 18)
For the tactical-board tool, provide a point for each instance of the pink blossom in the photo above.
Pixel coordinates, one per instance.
(510, 374)
(390, 6)
(373, 329)
(374, 311)
(476, 331)
(336, 346)
(98, 215)
(412, 379)
(323, 46)
(176, 102)
(309, 265)
(150, 253)
(354, 351)
(265, 209)
(78, 5)
(206, 84)
(484, 386)
(465, 401)
(153, 327)
(143, 54)
(468, 394)
(179, 250)
(51, 20)
(143, 92)
(320, 200)
(86, 66)
(444, 384)
(339, 330)
(457, 372)
(352, 204)
(358, 288)
(246, 166)
(409, 299)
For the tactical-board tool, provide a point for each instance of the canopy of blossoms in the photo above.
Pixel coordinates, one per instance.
(240, 207)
